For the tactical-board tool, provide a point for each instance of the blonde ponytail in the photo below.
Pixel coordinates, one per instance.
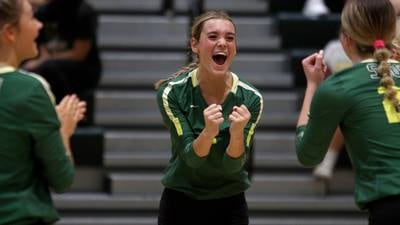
(184, 69)
(382, 55)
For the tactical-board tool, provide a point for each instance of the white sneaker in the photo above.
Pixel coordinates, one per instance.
(315, 8)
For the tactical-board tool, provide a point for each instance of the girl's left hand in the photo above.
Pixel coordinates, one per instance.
(239, 118)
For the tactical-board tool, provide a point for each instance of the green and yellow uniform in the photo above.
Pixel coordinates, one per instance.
(354, 100)
(32, 155)
(216, 175)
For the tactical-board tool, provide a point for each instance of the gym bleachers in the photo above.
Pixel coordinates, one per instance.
(120, 183)
(302, 35)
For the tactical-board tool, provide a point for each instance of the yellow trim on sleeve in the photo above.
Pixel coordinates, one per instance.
(250, 134)
(253, 126)
(168, 110)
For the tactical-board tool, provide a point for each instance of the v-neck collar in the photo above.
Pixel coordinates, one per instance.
(235, 80)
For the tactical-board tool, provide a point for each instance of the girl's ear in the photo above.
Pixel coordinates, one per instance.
(193, 45)
(346, 40)
(8, 34)
(347, 44)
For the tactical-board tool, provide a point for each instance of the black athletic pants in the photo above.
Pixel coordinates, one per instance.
(176, 208)
(385, 211)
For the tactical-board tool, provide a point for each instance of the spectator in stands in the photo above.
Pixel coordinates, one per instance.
(167, 7)
(315, 8)
(363, 100)
(35, 153)
(335, 60)
(69, 58)
(211, 114)
(311, 8)
(196, 8)
(36, 4)
(335, 6)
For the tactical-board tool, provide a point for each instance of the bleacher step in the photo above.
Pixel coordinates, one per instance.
(162, 33)
(139, 101)
(153, 119)
(107, 202)
(140, 109)
(271, 183)
(88, 179)
(181, 6)
(126, 6)
(159, 141)
(159, 159)
(259, 220)
(129, 69)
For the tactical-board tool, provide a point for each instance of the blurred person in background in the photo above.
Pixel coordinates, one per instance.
(35, 152)
(68, 53)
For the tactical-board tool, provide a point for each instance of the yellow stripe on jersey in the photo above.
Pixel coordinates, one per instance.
(250, 134)
(392, 115)
(170, 114)
(193, 74)
(235, 81)
(253, 126)
(168, 110)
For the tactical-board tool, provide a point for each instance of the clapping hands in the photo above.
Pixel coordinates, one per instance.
(70, 111)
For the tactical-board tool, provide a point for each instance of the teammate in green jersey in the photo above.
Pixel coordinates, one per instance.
(364, 101)
(34, 146)
(211, 114)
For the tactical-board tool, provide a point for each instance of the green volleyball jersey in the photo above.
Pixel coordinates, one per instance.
(32, 156)
(216, 175)
(354, 100)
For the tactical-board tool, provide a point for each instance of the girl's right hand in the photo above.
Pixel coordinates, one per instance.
(213, 118)
(314, 68)
(70, 111)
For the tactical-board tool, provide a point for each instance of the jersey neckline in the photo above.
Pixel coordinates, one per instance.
(6, 69)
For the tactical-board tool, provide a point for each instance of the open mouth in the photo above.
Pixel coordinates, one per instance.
(219, 59)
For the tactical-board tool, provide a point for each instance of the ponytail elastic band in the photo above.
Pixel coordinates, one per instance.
(379, 44)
